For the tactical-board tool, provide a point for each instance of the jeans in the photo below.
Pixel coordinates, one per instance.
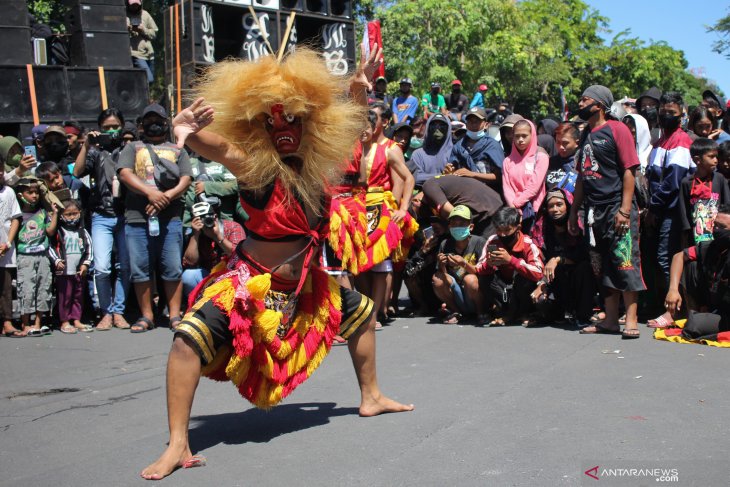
(147, 65)
(190, 279)
(145, 252)
(107, 232)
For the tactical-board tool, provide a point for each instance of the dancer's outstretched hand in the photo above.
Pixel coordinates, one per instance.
(192, 120)
(368, 66)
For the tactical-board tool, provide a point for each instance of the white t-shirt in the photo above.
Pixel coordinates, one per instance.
(9, 209)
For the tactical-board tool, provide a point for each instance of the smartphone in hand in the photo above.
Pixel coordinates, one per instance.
(427, 233)
(30, 150)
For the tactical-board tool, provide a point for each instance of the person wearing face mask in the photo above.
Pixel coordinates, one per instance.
(477, 155)
(456, 102)
(433, 102)
(97, 158)
(71, 255)
(455, 281)
(568, 284)
(698, 282)
(512, 264)
(669, 162)
(55, 148)
(430, 160)
(607, 161)
(16, 163)
(648, 107)
(156, 174)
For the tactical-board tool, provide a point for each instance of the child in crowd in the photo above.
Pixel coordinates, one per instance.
(50, 173)
(71, 255)
(723, 159)
(34, 269)
(9, 225)
(524, 171)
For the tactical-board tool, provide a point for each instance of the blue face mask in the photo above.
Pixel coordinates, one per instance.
(459, 233)
(475, 135)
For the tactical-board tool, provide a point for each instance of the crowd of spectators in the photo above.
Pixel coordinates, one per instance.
(522, 222)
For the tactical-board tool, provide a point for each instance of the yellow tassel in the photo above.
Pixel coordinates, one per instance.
(259, 285)
(222, 292)
(237, 369)
(265, 325)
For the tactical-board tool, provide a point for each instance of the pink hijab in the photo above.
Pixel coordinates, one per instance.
(524, 175)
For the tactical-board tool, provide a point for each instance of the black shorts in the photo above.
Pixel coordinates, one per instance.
(207, 326)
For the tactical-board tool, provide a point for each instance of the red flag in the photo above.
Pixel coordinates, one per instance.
(373, 36)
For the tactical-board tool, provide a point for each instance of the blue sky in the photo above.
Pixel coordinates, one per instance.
(680, 23)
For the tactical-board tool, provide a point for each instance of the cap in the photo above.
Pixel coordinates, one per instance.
(408, 81)
(134, 2)
(652, 93)
(710, 94)
(402, 125)
(601, 94)
(435, 85)
(482, 87)
(456, 82)
(55, 129)
(461, 211)
(511, 120)
(477, 112)
(155, 108)
(129, 128)
(381, 78)
(38, 131)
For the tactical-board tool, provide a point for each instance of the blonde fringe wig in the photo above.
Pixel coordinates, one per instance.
(242, 94)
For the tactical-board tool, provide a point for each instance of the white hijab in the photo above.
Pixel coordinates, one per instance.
(643, 139)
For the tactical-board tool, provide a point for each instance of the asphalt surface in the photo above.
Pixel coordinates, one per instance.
(494, 406)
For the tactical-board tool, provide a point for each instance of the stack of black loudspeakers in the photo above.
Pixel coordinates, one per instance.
(200, 32)
(96, 36)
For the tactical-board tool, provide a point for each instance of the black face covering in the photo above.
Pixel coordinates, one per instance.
(155, 129)
(56, 151)
(721, 237)
(585, 113)
(508, 240)
(670, 122)
(650, 114)
(561, 221)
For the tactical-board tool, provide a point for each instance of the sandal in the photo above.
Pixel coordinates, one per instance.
(660, 322)
(630, 333)
(598, 317)
(13, 334)
(142, 325)
(175, 322)
(496, 322)
(105, 324)
(599, 330)
(34, 332)
(452, 319)
(195, 461)
(46, 330)
(85, 328)
(120, 322)
(68, 329)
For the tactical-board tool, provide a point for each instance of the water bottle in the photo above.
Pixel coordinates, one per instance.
(153, 225)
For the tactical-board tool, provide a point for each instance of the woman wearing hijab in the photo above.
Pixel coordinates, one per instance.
(568, 275)
(524, 171)
(642, 136)
(429, 160)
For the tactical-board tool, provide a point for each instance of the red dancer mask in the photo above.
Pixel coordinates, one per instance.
(285, 130)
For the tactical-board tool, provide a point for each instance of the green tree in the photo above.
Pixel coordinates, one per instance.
(722, 27)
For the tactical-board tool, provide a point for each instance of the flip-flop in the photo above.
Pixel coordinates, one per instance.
(195, 461)
(13, 334)
(34, 333)
(68, 330)
(45, 330)
(595, 318)
(175, 322)
(630, 334)
(85, 328)
(598, 330)
(452, 319)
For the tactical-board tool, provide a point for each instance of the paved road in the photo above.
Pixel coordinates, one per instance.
(507, 406)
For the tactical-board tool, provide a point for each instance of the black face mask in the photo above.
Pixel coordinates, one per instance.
(670, 122)
(508, 240)
(721, 237)
(155, 129)
(56, 151)
(585, 113)
(650, 114)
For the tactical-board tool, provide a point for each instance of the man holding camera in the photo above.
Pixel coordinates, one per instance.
(97, 158)
(142, 30)
(211, 240)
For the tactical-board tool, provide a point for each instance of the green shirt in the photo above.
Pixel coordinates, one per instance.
(427, 102)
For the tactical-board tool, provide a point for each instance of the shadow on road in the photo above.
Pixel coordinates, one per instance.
(255, 425)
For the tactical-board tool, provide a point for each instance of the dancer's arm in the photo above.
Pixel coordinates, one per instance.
(398, 164)
(360, 81)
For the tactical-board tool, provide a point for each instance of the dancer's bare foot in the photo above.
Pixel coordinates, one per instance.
(172, 459)
(373, 406)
